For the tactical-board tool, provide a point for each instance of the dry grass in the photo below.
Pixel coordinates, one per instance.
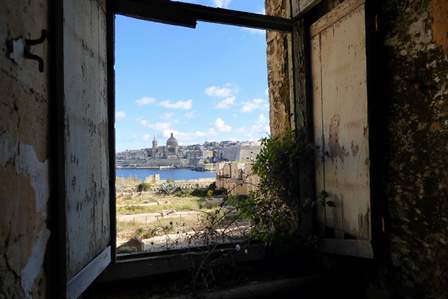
(128, 181)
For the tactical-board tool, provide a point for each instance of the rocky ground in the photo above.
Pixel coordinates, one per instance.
(156, 221)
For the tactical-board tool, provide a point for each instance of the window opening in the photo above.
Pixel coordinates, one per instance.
(191, 108)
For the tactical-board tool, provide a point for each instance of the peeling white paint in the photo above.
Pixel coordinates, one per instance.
(27, 163)
(35, 261)
(7, 149)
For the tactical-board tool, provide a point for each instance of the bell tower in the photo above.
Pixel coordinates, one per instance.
(154, 147)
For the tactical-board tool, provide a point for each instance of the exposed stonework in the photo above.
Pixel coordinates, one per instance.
(278, 70)
(440, 23)
(417, 89)
(23, 155)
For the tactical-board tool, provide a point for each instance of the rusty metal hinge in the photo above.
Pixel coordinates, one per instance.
(19, 48)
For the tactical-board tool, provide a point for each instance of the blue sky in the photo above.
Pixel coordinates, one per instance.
(208, 83)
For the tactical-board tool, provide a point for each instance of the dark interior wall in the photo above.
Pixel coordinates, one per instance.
(416, 99)
(24, 183)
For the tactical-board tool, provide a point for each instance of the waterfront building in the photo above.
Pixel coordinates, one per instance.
(195, 156)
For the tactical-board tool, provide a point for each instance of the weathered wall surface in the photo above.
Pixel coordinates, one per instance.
(278, 70)
(416, 61)
(23, 155)
(414, 37)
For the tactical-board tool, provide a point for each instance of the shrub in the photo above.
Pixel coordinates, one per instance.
(209, 193)
(144, 187)
(274, 207)
(199, 192)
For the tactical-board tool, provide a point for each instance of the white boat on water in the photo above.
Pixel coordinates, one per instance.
(166, 167)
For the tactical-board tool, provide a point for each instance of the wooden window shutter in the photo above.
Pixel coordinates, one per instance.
(83, 166)
(340, 117)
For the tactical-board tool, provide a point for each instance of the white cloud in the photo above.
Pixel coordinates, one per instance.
(167, 116)
(222, 3)
(145, 101)
(210, 132)
(185, 105)
(254, 104)
(120, 115)
(260, 128)
(221, 126)
(226, 103)
(266, 91)
(166, 128)
(159, 126)
(219, 92)
(190, 114)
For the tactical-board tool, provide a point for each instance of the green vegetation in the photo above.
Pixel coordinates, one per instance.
(143, 187)
(161, 204)
(274, 208)
(210, 191)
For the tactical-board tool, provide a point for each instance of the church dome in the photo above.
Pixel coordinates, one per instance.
(171, 142)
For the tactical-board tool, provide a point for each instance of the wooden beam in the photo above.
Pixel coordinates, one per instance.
(358, 248)
(110, 19)
(186, 14)
(147, 264)
(82, 280)
(303, 121)
(56, 129)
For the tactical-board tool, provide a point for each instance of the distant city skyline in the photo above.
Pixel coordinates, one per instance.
(162, 142)
(168, 79)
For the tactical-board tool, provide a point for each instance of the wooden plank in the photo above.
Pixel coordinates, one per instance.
(341, 11)
(187, 14)
(142, 265)
(81, 281)
(303, 121)
(340, 93)
(57, 164)
(86, 132)
(80, 124)
(345, 124)
(319, 138)
(358, 248)
(305, 5)
(110, 20)
(300, 8)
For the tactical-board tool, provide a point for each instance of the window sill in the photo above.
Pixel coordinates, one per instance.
(133, 266)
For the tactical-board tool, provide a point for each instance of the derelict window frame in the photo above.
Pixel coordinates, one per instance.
(185, 14)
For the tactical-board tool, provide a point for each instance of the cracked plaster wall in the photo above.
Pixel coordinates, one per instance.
(24, 187)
